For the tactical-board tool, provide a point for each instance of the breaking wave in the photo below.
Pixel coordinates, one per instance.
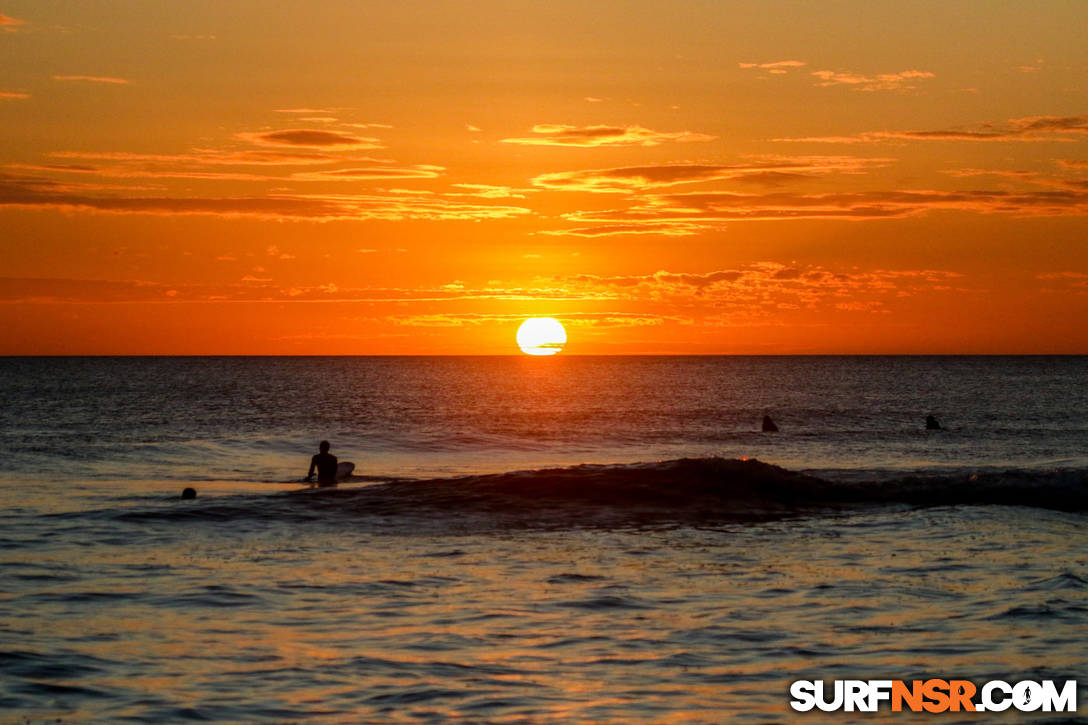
(686, 490)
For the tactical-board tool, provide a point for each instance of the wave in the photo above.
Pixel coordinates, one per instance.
(686, 490)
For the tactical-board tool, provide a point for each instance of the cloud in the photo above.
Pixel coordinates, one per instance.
(126, 172)
(17, 289)
(1065, 282)
(72, 168)
(968, 172)
(593, 136)
(702, 211)
(903, 80)
(9, 24)
(874, 204)
(250, 287)
(1059, 124)
(93, 79)
(661, 277)
(768, 170)
(965, 135)
(764, 289)
(307, 137)
(285, 149)
(665, 229)
(490, 191)
(373, 172)
(306, 111)
(1063, 275)
(13, 95)
(1031, 128)
(651, 211)
(860, 138)
(578, 319)
(751, 292)
(217, 157)
(779, 67)
(42, 193)
(1030, 177)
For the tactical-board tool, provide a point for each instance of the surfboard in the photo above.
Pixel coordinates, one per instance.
(343, 472)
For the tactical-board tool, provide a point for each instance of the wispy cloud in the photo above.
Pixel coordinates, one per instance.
(767, 170)
(422, 171)
(286, 149)
(1064, 282)
(13, 95)
(1067, 179)
(266, 288)
(765, 289)
(692, 212)
(658, 228)
(1007, 173)
(9, 24)
(308, 137)
(778, 67)
(594, 136)
(903, 80)
(866, 137)
(1063, 275)
(216, 157)
(94, 79)
(306, 111)
(751, 292)
(579, 319)
(1030, 128)
(128, 172)
(37, 192)
(489, 191)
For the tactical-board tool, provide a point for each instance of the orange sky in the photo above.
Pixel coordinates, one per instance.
(413, 177)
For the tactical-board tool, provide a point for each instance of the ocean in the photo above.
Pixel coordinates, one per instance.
(525, 540)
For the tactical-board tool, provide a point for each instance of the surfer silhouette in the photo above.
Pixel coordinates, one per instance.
(325, 465)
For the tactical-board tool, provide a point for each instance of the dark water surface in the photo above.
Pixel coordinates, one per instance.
(451, 581)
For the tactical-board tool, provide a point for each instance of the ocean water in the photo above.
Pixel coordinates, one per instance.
(567, 539)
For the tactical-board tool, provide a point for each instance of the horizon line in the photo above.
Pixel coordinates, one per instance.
(543, 358)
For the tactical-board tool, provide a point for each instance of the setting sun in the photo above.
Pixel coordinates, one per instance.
(541, 336)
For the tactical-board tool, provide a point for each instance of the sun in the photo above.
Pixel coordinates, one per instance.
(541, 336)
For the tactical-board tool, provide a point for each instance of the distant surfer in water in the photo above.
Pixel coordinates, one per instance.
(325, 465)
